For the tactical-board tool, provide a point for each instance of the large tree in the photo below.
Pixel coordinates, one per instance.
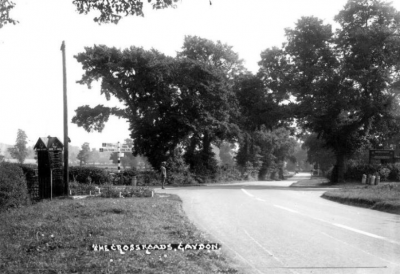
(344, 83)
(20, 151)
(216, 116)
(111, 11)
(264, 120)
(84, 154)
(169, 102)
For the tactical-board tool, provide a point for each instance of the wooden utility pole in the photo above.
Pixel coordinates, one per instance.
(66, 139)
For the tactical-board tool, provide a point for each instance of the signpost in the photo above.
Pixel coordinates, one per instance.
(115, 147)
(381, 154)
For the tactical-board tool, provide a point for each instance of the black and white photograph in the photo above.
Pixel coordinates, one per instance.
(200, 136)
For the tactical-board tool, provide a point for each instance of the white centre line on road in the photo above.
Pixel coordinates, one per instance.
(247, 193)
(334, 224)
(285, 208)
(359, 231)
(266, 250)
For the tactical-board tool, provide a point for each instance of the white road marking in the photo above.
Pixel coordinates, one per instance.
(353, 246)
(247, 193)
(335, 224)
(285, 208)
(266, 250)
(359, 231)
(232, 250)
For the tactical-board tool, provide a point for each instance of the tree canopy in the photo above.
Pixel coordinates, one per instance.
(84, 154)
(20, 151)
(345, 84)
(169, 102)
(111, 11)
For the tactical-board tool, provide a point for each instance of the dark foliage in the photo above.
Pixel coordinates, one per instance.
(82, 174)
(13, 187)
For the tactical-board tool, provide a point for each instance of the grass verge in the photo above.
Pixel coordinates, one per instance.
(55, 236)
(385, 197)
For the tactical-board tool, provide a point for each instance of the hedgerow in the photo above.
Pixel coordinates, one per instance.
(13, 187)
(87, 175)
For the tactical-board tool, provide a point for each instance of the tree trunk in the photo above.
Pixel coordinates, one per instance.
(206, 144)
(340, 165)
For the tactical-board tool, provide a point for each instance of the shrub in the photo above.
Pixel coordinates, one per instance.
(29, 171)
(178, 171)
(137, 192)
(356, 171)
(123, 178)
(13, 188)
(394, 174)
(110, 192)
(384, 173)
(81, 174)
(228, 173)
(150, 178)
(81, 189)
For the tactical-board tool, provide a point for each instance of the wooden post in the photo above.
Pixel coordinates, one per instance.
(51, 184)
(119, 165)
(66, 139)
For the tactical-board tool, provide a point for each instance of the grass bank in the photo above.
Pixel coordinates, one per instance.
(384, 197)
(55, 236)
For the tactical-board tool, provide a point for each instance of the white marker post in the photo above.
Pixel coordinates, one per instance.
(119, 163)
(112, 147)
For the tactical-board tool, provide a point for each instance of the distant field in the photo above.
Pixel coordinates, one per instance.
(27, 161)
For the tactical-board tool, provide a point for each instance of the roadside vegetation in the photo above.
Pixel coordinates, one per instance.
(385, 197)
(55, 236)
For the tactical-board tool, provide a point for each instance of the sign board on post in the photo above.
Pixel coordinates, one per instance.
(109, 145)
(381, 154)
(108, 150)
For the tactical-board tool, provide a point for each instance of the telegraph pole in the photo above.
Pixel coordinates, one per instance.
(66, 139)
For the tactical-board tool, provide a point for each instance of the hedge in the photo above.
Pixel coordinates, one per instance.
(13, 187)
(87, 175)
(354, 172)
(123, 178)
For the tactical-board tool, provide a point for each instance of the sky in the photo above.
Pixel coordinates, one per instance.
(31, 83)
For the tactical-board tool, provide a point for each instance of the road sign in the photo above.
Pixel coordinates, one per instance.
(126, 146)
(121, 155)
(377, 155)
(125, 150)
(108, 149)
(109, 145)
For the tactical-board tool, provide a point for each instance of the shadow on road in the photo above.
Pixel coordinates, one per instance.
(252, 186)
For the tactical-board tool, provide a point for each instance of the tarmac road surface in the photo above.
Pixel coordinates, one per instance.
(268, 227)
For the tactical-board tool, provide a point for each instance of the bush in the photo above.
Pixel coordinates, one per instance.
(384, 173)
(81, 175)
(394, 174)
(123, 178)
(29, 171)
(149, 178)
(81, 189)
(356, 171)
(227, 173)
(178, 171)
(137, 192)
(13, 188)
(110, 192)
